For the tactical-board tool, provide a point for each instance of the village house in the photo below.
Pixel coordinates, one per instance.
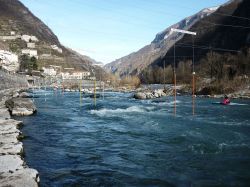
(12, 36)
(56, 48)
(31, 45)
(49, 71)
(28, 38)
(73, 74)
(30, 52)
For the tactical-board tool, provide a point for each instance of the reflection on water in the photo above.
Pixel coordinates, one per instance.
(127, 142)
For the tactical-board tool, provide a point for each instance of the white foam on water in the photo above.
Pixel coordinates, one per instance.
(167, 103)
(231, 123)
(224, 146)
(119, 111)
(238, 104)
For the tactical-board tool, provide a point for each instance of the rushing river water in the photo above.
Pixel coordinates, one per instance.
(128, 142)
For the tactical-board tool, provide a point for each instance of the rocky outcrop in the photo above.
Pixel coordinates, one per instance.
(153, 94)
(22, 177)
(24, 95)
(13, 171)
(20, 106)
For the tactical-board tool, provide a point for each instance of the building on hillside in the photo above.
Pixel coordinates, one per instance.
(4, 38)
(30, 52)
(85, 74)
(49, 71)
(52, 70)
(12, 36)
(31, 45)
(9, 61)
(73, 74)
(92, 78)
(28, 38)
(56, 48)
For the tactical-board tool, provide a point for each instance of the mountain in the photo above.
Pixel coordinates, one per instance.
(224, 31)
(208, 33)
(18, 27)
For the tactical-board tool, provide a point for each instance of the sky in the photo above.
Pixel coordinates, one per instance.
(106, 30)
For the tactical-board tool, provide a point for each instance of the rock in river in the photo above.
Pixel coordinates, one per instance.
(24, 95)
(20, 106)
(140, 95)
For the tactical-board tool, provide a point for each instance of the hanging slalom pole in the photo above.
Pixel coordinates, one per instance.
(193, 92)
(33, 91)
(193, 74)
(95, 91)
(164, 76)
(45, 89)
(193, 82)
(80, 90)
(103, 90)
(174, 84)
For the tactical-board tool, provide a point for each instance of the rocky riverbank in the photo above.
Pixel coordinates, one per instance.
(13, 169)
(182, 90)
(152, 94)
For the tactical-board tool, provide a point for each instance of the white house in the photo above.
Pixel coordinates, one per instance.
(49, 71)
(28, 38)
(30, 52)
(9, 61)
(56, 48)
(85, 74)
(31, 45)
(78, 75)
(8, 38)
(74, 75)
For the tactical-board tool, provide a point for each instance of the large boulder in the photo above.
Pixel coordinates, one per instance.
(20, 106)
(24, 95)
(149, 95)
(16, 94)
(20, 177)
(140, 95)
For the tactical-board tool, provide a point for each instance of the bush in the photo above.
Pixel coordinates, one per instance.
(133, 81)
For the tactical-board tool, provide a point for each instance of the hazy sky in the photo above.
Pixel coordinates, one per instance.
(109, 29)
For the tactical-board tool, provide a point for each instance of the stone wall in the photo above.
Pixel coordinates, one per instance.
(9, 80)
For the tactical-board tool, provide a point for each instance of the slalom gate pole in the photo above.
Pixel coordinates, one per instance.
(103, 91)
(174, 84)
(174, 93)
(80, 90)
(193, 74)
(95, 92)
(193, 93)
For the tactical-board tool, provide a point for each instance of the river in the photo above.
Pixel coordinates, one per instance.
(126, 142)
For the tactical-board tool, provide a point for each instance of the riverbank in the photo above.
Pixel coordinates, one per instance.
(13, 169)
(157, 92)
